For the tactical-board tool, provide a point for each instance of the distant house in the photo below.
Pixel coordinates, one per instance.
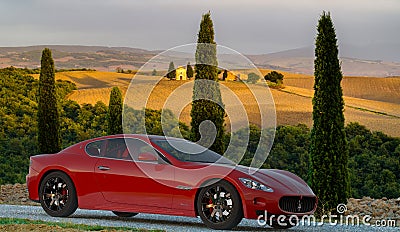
(181, 74)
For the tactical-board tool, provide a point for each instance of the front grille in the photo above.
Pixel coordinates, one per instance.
(297, 204)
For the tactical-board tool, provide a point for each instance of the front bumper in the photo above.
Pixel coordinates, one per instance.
(259, 203)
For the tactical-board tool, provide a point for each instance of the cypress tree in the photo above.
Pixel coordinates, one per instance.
(328, 150)
(114, 116)
(48, 116)
(171, 71)
(189, 70)
(225, 75)
(207, 102)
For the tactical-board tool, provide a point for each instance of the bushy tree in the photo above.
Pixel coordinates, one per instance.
(115, 112)
(189, 70)
(252, 78)
(119, 70)
(48, 116)
(171, 71)
(373, 163)
(207, 102)
(274, 76)
(328, 150)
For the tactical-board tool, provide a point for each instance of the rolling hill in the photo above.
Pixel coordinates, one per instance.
(373, 102)
(68, 57)
(301, 60)
(109, 58)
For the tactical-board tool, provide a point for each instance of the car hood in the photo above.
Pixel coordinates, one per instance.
(279, 180)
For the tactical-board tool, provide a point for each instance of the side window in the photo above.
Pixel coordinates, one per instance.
(141, 150)
(116, 149)
(94, 148)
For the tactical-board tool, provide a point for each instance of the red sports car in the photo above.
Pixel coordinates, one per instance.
(130, 174)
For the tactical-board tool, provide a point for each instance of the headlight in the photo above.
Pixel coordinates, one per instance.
(255, 185)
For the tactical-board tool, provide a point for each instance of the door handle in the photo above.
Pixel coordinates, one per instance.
(103, 168)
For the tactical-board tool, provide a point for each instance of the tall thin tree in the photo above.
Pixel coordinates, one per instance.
(328, 150)
(225, 75)
(207, 103)
(189, 70)
(114, 116)
(49, 140)
(171, 71)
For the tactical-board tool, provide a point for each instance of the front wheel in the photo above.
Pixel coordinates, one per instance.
(219, 206)
(58, 195)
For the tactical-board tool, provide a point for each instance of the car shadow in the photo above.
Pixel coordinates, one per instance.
(140, 220)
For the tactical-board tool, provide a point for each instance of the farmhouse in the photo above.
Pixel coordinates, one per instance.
(181, 73)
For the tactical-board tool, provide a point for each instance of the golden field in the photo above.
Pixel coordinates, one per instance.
(373, 102)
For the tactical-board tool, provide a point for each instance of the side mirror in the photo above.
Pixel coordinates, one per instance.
(147, 157)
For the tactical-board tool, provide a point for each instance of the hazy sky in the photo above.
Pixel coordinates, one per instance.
(248, 26)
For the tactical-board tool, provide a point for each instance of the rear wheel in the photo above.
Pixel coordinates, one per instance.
(124, 214)
(219, 206)
(58, 195)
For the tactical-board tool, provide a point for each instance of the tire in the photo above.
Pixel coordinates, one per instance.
(58, 195)
(219, 206)
(124, 214)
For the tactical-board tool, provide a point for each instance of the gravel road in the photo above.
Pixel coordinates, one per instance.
(152, 221)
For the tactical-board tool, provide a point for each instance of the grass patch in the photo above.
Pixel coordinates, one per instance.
(19, 221)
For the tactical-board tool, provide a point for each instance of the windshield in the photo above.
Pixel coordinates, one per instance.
(184, 150)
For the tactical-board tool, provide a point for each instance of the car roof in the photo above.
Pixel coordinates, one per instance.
(139, 136)
(144, 137)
